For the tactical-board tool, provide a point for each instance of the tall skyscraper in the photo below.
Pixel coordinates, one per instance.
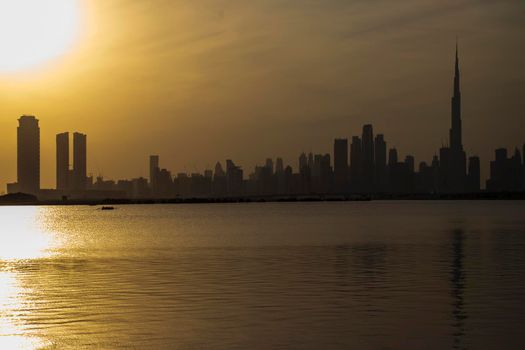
(457, 162)
(79, 161)
(473, 177)
(153, 170)
(279, 166)
(62, 161)
(356, 163)
(28, 154)
(455, 130)
(341, 164)
(368, 158)
(269, 165)
(380, 162)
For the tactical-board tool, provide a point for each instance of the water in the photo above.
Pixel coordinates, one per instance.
(355, 275)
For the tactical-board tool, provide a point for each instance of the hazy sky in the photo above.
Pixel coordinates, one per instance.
(201, 81)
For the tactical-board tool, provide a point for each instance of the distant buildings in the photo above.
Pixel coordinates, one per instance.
(506, 173)
(366, 166)
(341, 178)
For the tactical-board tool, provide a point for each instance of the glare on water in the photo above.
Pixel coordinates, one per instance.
(22, 237)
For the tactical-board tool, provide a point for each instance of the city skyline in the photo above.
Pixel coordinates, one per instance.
(361, 167)
(212, 82)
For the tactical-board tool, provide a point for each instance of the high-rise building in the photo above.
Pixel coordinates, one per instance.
(153, 171)
(269, 165)
(79, 161)
(392, 156)
(341, 164)
(457, 161)
(356, 163)
(380, 162)
(279, 166)
(368, 158)
(62, 161)
(28, 155)
(473, 177)
(303, 162)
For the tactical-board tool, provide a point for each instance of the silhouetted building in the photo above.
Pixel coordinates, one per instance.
(356, 160)
(62, 161)
(341, 165)
(456, 157)
(28, 155)
(368, 159)
(506, 174)
(474, 175)
(380, 163)
(234, 179)
(154, 170)
(279, 166)
(219, 181)
(79, 161)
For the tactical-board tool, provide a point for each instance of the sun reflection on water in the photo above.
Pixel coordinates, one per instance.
(22, 238)
(23, 235)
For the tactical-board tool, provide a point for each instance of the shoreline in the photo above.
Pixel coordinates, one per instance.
(24, 201)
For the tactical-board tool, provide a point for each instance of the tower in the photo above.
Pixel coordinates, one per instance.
(341, 164)
(62, 161)
(368, 158)
(455, 173)
(153, 171)
(28, 154)
(455, 130)
(79, 161)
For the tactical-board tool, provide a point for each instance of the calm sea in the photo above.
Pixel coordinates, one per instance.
(355, 275)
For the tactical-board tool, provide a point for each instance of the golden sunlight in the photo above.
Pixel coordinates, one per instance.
(22, 236)
(35, 32)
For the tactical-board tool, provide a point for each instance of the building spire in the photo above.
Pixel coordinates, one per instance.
(457, 74)
(455, 130)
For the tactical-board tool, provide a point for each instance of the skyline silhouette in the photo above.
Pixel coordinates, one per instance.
(237, 80)
(366, 171)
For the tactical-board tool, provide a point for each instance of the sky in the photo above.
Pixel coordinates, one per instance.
(200, 81)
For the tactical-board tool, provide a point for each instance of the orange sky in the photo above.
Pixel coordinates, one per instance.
(197, 82)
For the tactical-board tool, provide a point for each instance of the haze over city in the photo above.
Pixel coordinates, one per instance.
(197, 83)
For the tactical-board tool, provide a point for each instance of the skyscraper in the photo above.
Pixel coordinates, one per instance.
(279, 166)
(62, 161)
(455, 130)
(79, 161)
(380, 162)
(368, 158)
(473, 177)
(457, 162)
(28, 154)
(341, 164)
(153, 170)
(355, 163)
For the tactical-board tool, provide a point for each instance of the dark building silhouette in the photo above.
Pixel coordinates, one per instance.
(28, 155)
(368, 154)
(79, 161)
(455, 158)
(279, 166)
(341, 165)
(506, 174)
(62, 161)
(153, 171)
(474, 175)
(380, 163)
(234, 178)
(356, 161)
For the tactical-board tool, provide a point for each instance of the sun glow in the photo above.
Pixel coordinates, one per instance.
(33, 32)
